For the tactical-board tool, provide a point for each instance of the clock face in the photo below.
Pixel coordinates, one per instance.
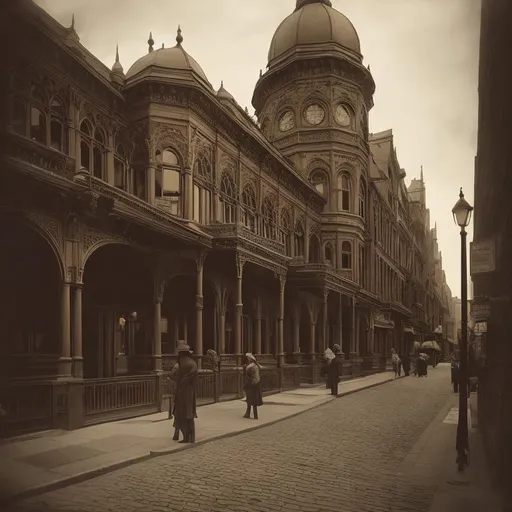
(287, 121)
(342, 115)
(315, 114)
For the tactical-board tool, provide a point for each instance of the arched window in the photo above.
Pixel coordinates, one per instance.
(346, 255)
(98, 152)
(19, 116)
(314, 249)
(362, 199)
(57, 135)
(120, 170)
(169, 182)
(299, 240)
(202, 191)
(228, 198)
(85, 145)
(37, 125)
(343, 192)
(269, 218)
(329, 254)
(38, 108)
(318, 179)
(249, 207)
(286, 231)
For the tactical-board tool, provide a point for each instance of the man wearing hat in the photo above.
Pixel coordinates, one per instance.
(185, 398)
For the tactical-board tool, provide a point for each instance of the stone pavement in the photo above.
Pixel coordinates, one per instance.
(35, 463)
(349, 455)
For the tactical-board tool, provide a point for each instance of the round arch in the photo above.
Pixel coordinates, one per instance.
(102, 243)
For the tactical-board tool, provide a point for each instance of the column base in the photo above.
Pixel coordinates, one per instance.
(297, 357)
(78, 367)
(64, 367)
(156, 363)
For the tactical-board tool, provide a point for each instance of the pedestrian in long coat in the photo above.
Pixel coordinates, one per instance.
(252, 386)
(173, 375)
(185, 398)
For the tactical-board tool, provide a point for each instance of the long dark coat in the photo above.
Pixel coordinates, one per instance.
(185, 398)
(252, 385)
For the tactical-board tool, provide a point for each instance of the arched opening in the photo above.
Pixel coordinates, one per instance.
(117, 285)
(318, 179)
(314, 249)
(30, 294)
(329, 254)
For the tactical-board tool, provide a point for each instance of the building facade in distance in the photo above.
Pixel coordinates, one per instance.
(143, 207)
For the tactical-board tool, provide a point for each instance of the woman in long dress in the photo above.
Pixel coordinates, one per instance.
(252, 386)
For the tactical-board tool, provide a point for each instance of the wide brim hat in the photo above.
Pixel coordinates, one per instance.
(250, 356)
(183, 346)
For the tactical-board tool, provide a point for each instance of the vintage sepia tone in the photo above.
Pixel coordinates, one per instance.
(143, 206)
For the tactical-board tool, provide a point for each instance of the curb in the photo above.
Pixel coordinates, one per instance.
(94, 473)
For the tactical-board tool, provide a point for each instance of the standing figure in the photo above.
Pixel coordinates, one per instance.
(407, 364)
(252, 386)
(173, 375)
(333, 369)
(185, 399)
(455, 370)
(396, 362)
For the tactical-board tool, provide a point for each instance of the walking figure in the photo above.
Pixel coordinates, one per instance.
(396, 362)
(185, 399)
(252, 386)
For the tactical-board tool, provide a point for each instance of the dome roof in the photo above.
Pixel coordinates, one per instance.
(174, 59)
(223, 94)
(314, 22)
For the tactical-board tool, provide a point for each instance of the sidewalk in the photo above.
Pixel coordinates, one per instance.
(49, 460)
(432, 462)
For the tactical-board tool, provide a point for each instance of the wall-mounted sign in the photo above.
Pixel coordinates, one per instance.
(480, 310)
(482, 257)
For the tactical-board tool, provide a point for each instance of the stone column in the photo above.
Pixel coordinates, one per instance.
(266, 335)
(78, 361)
(109, 160)
(157, 334)
(150, 183)
(280, 322)
(324, 322)
(312, 337)
(239, 309)
(353, 328)
(340, 322)
(222, 330)
(199, 307)
(257, 328)
(188, 195)
(65, 333)
(358, 333)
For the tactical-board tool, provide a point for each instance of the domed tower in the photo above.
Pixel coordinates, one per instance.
(313, 103)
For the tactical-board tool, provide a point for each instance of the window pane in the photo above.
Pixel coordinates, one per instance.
(345, 199)
(56, 135)
(320, 187)
(169, 157)
(57, 108)
(197, 204)
(119, 180)
(85, 156)
(84, 128)
(37, 126)
(171, 181)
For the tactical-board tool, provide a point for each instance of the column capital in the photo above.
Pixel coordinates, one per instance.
(240, 262)
(200, 259)
(199, 302)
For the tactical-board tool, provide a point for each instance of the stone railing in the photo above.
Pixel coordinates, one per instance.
(33, 153)
(218, 230)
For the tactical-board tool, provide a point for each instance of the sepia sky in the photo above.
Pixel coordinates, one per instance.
(423, 55)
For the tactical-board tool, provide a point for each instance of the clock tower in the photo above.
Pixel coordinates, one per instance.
(313, 101)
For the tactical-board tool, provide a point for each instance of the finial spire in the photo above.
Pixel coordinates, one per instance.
(302, 3)
(73, 21)
(117, 52)
(150, 42)
(179, 37)
(162, 45)
(261, 73)
(421, 173)
(461, 194)
(222, 85)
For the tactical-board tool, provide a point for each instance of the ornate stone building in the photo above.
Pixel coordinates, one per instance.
(144, 207)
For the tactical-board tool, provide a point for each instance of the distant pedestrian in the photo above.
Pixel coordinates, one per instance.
(396, 362)
(406, 363)
(252, 386)
(173, 376)
(455, 370)
(185, 398)
(422, 365)
(332, 369)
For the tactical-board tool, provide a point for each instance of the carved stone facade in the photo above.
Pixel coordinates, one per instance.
(172, 215)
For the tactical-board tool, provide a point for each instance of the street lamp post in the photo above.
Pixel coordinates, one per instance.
(462, 216)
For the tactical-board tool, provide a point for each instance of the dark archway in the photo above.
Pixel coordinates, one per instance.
(304, 329)
(30, 297)
(314, 249)
(117, 284)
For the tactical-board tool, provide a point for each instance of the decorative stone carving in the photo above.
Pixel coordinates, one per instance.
(163, 136)
(93, 238)
(49, 225)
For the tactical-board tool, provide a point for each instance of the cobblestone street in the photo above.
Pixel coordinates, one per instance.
(343, 456)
